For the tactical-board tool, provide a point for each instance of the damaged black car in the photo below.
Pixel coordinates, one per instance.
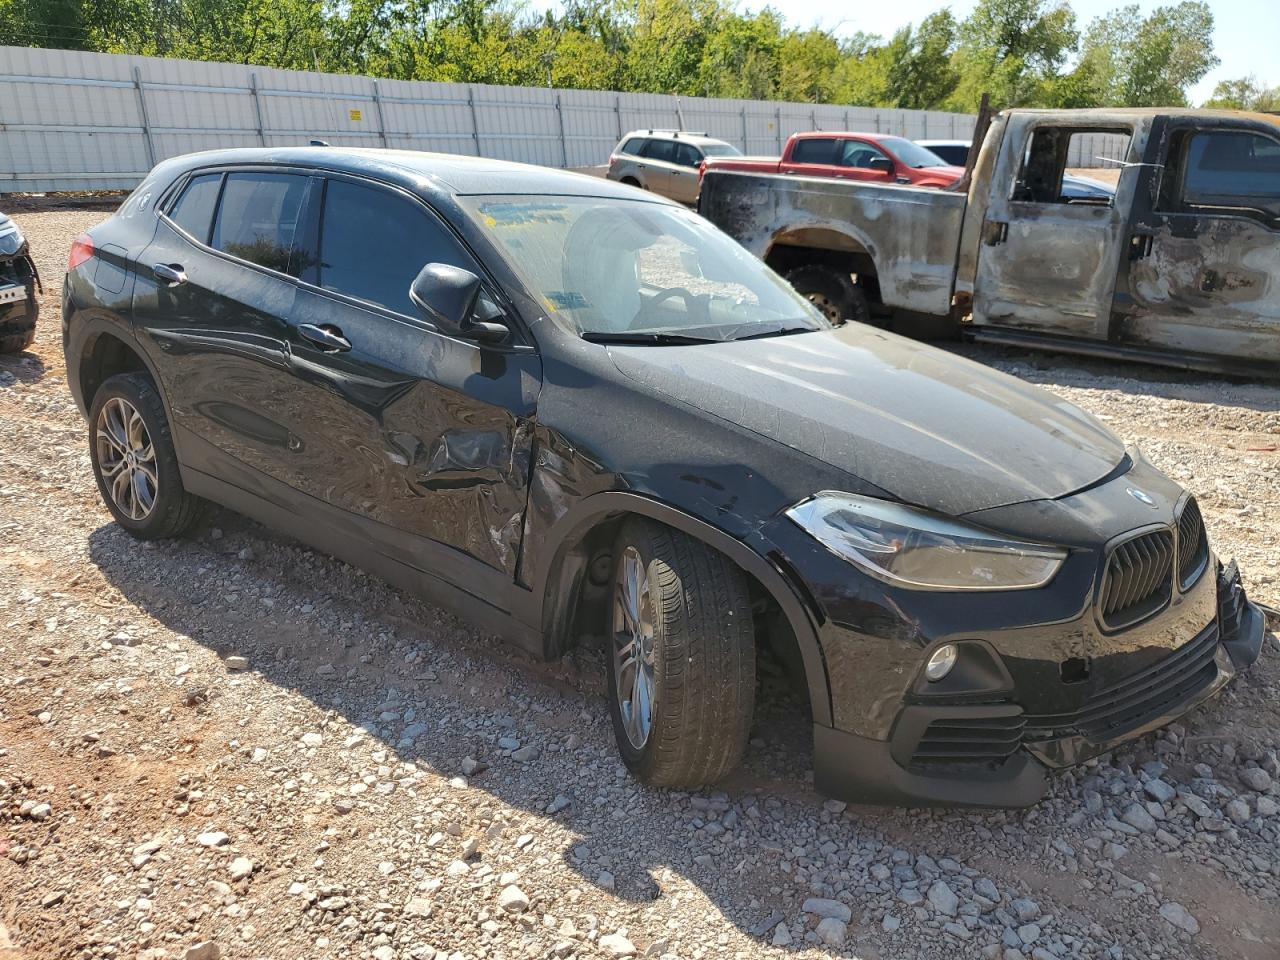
(576, 414)
(19, 307)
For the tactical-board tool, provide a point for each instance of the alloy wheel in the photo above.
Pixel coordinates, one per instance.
(126, 458)
(633, 648)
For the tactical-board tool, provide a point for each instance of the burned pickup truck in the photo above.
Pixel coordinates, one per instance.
(18, 282)
(1180, 267)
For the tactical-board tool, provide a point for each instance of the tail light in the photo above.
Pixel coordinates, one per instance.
(702, 170)
(613, 158)
(81, 251)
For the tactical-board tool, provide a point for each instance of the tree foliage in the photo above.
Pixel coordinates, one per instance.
(1022, 52)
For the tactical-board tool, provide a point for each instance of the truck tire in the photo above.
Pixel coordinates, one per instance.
(134, 461)
(681, 657)
(832, 291)
(16, 337)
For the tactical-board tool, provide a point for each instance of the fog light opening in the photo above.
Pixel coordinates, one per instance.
(940, 664)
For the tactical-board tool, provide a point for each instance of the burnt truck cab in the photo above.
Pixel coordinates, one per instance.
(19, 307)
(1180, 267)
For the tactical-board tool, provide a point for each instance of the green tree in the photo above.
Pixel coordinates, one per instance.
(808, 62)
(1244, 94)
(1152, 61)
(740, 59)
(920, 74)
(1012, 49)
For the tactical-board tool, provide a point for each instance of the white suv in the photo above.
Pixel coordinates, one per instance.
(665, 161)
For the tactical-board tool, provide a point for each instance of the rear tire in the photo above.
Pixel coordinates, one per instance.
(690, 632)
(832, 291)
(134, 461)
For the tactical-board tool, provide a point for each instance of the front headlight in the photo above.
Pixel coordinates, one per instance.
(914, 548)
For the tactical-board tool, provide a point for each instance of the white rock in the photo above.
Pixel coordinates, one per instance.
(781, 935)
(832, 932)
(943, 898)
(312, 739)
(208, 950)
(212, 838)
(820, 907)
(513, 899)
(615, 944)
(240, 868)
(1178, 915)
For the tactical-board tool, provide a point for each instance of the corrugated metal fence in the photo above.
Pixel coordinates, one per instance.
(92, 121)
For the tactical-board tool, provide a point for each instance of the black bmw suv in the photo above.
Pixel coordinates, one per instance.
(575, 412)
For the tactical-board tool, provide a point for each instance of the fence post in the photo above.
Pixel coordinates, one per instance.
(924, 124)
(813, 119)
(617, 112)
(777, 126)
(877, 121)
(679, 115)
(257, 108)
(475, 125)
(377, 106)
(146, 120)
(846, 121)
(743, 113)
(564, 145)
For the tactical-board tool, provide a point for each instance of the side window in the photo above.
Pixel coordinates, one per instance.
(259, 217)
(814, 150)
(374, 242)
(1236, 170)
(1052, 151)
(859, 155)
(688, 155)
(633, 146)
(664, 150)
(193, 211)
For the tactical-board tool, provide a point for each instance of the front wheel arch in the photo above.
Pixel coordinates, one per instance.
(560, 587)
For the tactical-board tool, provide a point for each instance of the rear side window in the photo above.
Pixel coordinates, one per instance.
(814, 150)
(259, 217)
(633, 146)
(374, 242)
(193, 211)
(664, 150)
(1235, 168)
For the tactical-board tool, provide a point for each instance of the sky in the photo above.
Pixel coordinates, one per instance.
(1245, 31)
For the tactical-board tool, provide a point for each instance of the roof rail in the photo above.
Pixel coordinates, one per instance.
(676, 133)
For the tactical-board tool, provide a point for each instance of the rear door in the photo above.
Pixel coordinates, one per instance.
(1044, 263)
(423, 440)
(213, 294)
(1204, 266)
(811, 157)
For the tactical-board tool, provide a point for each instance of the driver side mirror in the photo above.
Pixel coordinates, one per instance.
(453, 299)
(881, 165)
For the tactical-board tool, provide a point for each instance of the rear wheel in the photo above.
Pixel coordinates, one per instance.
(134, 460)
(832, 291)
(682, 657)
(15, 338)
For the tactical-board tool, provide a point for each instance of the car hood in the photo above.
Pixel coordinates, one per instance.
(921, 424)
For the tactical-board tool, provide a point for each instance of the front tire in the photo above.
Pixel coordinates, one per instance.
(134, 461)
(681, 658)
(832, 291)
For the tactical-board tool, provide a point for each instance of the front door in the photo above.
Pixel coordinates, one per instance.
(1204, 266)
(1046, 263)
(423, 439)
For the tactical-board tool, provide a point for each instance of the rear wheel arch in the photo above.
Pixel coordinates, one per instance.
(103, 355)
(795, 247)
(575, 587)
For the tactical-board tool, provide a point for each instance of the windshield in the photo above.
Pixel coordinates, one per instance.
(912, 154)
(720, 150)
(632, 268)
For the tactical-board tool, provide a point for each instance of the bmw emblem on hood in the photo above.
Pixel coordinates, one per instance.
(1141, 496)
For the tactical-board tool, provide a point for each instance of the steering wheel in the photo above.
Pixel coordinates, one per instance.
(662, 297)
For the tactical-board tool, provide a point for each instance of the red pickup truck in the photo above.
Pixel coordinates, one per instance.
(874, 157)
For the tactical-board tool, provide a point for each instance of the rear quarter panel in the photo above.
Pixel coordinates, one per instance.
(911, 233)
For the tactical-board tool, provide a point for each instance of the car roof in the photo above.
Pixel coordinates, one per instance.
(697, 139)
(421, 171)
(944, 143)
(847, 135)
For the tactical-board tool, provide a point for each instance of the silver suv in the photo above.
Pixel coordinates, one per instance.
(665, 161)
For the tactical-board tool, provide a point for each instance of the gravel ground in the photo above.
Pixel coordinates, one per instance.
(232, 746)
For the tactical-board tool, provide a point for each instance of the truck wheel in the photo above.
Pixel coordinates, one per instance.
(832, 291)
(134, 461)
(15, 338)
(681, 658)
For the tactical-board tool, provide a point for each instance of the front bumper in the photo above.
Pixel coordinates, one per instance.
(1005, 760)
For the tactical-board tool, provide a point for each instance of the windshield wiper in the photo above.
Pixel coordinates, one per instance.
(651, 339)
(776, 332)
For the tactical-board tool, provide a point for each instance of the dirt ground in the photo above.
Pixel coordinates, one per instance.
(232, 746)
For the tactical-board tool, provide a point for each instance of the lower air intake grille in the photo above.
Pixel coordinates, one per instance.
(1193, 545)
(969, 740)
(1139, 578)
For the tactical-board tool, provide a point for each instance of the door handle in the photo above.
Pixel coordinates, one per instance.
(170, 273)
(328, 337)
(995, 232)
(1140, 245)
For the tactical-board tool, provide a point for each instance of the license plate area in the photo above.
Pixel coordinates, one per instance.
(13, 294)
